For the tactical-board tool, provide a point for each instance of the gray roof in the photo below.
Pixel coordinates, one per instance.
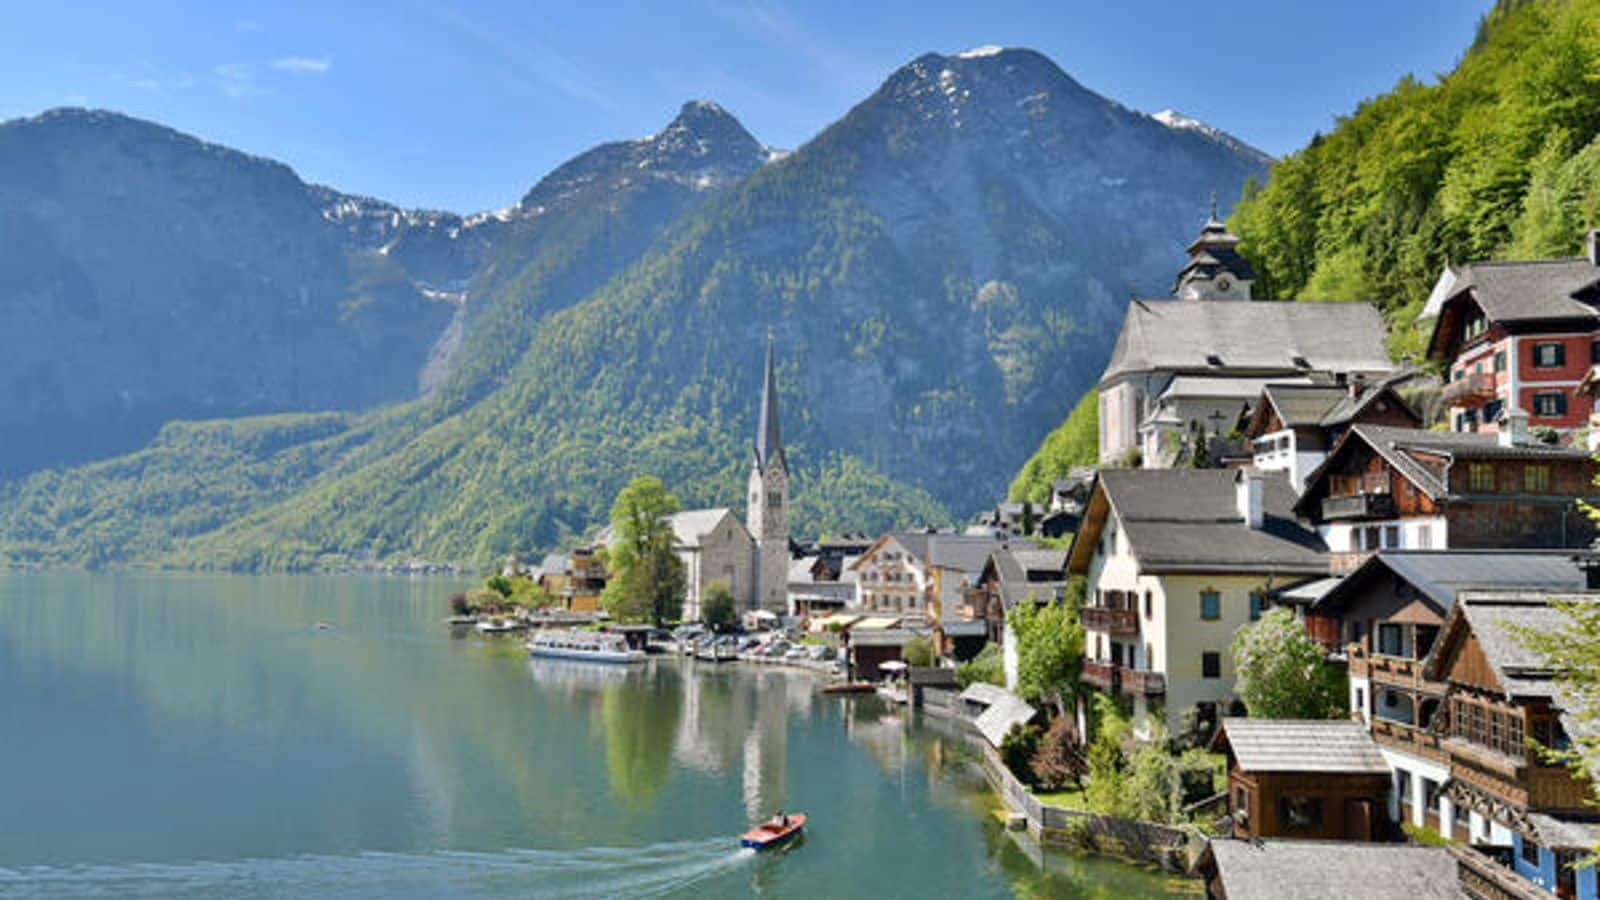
(1310, 592)
(1011, 569)
(1042, 560)
(879, 637)
(1328, 405)
(1499, 619)
(1525, 291)
(962, 552)
(1187, 520)
(1393, 443)
(553, 564)
(1327, 870)
(692, 524)
(1335, 746)
(1564, 834)
(1441, 574)
(1006, 710)
(984, 693)
(1261, 337)
(1242, 388)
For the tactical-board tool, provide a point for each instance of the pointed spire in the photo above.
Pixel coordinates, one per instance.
(769, 438)
(1214, 208)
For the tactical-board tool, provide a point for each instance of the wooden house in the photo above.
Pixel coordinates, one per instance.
(1388, 615)
(1385, 488)
(1293, 426)
(1518, 335)
(1499, 695)
(1304, 778)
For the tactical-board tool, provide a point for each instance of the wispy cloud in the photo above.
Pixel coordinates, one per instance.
(524, 53)
(303, 65)
(238, 79)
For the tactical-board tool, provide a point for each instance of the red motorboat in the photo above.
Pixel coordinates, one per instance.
(774, 831)
(850, 687)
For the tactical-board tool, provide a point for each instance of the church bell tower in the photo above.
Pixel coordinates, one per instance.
(768, 517)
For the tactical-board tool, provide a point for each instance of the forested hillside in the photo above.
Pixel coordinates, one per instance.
(1498, 159)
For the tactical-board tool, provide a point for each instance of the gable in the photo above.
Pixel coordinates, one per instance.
(1468, 665)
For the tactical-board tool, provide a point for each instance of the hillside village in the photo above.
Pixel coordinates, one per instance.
(1258, 456)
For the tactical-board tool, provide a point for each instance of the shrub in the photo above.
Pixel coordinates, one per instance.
(1058, 760)
(1018, 748)
(717, 607)
(459, 605)
(918, 652)
(988, 667)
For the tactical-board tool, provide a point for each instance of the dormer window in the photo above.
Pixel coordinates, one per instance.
(1300, 362)
(1477, 325)
(1213, 359)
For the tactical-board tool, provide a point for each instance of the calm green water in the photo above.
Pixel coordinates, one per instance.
(198, 736)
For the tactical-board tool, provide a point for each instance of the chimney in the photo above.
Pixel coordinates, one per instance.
(1250, 492)
(1592, 245)
(1513, 428)
(1357, 385)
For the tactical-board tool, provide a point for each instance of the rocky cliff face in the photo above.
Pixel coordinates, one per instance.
(150, 276)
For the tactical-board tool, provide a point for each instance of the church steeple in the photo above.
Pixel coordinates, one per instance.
(1215, 270)
(769, 436)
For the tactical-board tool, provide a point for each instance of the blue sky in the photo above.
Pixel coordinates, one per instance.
(464, 105)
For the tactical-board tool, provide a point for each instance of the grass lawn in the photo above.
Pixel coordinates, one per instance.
(1070, 798)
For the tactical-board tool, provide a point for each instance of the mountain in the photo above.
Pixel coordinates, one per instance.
(943, 269)
(1499, 158)
(150, 276)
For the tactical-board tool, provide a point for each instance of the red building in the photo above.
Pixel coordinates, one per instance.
(1518, 335)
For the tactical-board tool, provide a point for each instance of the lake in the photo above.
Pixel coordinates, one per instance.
(174, 735)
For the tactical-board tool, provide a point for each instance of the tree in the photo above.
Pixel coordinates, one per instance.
(717, 607)
(647, 578)
(987, 667)
(1573, 653)
(917, 652)
(1049, 648)
(1283, 674)
(1058, 759)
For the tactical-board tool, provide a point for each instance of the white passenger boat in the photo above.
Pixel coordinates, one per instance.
(595, 646)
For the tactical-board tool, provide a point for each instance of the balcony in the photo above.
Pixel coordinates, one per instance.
(1470, 391)
(1396, 671)
(1358, 506)
(1113, 621)
(1115, 679)
(1407, 738)
(1143, 683)
(1102, 675)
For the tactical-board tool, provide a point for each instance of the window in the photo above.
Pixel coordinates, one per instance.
(1530, 851)
(1241, 805)
(1391, 640)
(1211, 664)
(1430, 794)
(1500, 361)
(1536, 479)
(1402, 785)
(1210, 605)
(1300, 812)
(1549, 356)
(1481, 476)
(1258, 604)
(1425, 537)
(1594, 353)
(1477, 324)
(1361, 700)
(1391, 536)
(1551, 404)
(1491, 410)
(1149, 606)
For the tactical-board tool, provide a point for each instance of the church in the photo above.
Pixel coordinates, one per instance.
(751, 557)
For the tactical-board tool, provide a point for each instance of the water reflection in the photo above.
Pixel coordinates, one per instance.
(201, 734)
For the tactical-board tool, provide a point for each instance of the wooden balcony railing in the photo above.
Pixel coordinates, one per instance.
(1141, 682)
(1470, 391)
(1113, 621)
(1359, 506)
(1405, 737)
(1102, 675)
(1113, 678)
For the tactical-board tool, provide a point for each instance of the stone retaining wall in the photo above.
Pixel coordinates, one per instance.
(1170, 847)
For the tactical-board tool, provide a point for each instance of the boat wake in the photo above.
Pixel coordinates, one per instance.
(657, 870)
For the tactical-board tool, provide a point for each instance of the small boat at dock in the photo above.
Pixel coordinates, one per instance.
(850, 687)
(594, 646)
(501, 626)
(774, 831)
